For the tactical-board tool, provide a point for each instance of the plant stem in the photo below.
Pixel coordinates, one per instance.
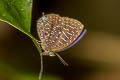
(39, 49)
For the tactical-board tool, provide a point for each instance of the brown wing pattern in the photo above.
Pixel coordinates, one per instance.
(56, 33)
(71, 29)
(48, 30)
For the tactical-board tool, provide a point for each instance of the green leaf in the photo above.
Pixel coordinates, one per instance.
(17, 13)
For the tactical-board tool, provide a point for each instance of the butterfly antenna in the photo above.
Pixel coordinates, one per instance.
(62, 60)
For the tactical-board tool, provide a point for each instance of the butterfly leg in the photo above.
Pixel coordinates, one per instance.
(61, 59)
(45, 54)
(38, 42)
(48, 53)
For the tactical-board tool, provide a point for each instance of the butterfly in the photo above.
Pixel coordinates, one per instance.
(58, 33)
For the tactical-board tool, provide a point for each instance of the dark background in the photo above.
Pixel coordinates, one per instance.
(95, 57)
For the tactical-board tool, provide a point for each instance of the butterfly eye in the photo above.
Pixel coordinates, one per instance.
(40, 21)
(45, 18)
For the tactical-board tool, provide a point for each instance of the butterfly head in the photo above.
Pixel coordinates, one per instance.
(43, 19)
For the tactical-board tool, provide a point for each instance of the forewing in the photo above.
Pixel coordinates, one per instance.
(47, 30)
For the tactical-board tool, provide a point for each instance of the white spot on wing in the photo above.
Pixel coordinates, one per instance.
(60, 42)
(69, 33)
(65, 35)
(63, 39)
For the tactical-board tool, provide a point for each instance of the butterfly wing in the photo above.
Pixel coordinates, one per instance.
(71, 30)
(58, 33)
(48, 29)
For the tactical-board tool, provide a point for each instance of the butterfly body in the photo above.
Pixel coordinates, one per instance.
(58, 33)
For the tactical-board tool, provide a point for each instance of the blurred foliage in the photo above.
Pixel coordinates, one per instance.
(9, 73)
